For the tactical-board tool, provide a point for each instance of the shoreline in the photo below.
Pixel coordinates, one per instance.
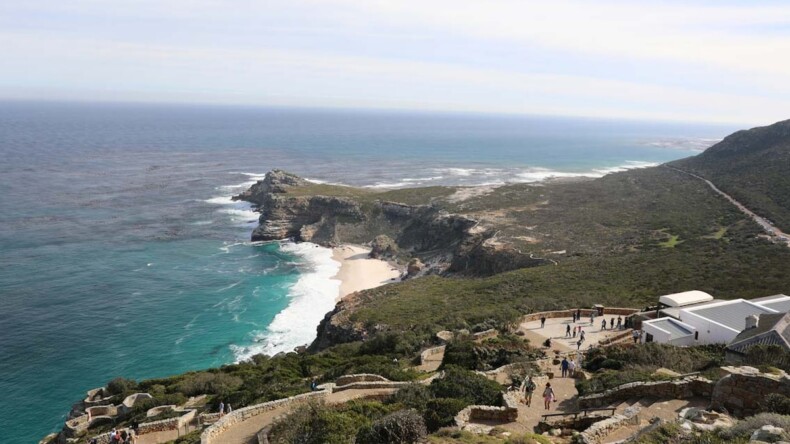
(358, 272)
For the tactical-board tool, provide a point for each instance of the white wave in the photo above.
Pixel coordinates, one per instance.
(628, 165)
(238, 186)
(388, 185)
(325, 182)
(311, 297)
(257, 176)
(221, 200)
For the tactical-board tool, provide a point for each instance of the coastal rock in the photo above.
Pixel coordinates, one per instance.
(383, 247)
(414, 268)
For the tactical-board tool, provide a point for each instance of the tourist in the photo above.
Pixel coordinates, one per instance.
(603, 324)
(635, 335)
(313, 385)
(578, 314)
(573, 315)
(611, 323)
(592, 318)
(542, 321)
(548, 396)
(564, 367)
(574, 332)
(581, 334)
(228, 409)
(619, 322)
(579, 344)
(529, 388)
(221, 408)
(571, 368)
(568, 331)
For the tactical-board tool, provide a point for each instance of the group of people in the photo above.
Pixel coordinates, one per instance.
(530, 386)
(611, 323)
(119, 437)
(223, 409)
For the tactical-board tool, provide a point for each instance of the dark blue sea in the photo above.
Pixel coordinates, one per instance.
(122, 254)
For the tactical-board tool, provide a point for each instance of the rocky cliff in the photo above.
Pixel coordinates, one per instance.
(293, 208)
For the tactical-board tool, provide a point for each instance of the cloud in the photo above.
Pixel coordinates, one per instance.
(608, 58)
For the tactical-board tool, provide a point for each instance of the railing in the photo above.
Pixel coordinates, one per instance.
(583, 413)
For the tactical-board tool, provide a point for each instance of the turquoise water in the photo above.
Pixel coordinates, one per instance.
(121, 254)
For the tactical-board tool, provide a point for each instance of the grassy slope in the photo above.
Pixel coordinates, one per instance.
(616, 232)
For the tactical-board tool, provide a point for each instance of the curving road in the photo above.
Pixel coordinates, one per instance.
(775, 233)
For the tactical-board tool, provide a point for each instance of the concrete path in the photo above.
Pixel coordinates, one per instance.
(555, 329)
(246, 431)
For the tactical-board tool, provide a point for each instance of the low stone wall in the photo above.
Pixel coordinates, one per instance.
(102, 410)
(362, 377)
(428, 354)
(210, 435)
(483, 335)
(585, 312)
(677, 389)
(209, 418)
(167, 424)
(597, 432)
(508, 413)
(744, 388)
(159, 410)
(97, 396)
(370, 385)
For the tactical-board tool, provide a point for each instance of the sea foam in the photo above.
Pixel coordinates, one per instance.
(311, 297)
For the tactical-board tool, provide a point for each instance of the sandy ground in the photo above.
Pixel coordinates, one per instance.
(358, 272)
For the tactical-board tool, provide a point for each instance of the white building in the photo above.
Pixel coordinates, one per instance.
(694, 317)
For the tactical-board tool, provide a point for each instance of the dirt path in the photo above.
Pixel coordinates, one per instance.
(246, 431)
(770, 229)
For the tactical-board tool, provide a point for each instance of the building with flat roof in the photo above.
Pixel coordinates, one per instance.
(694, 317)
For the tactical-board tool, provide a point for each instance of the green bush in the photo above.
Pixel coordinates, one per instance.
(745, 427)
(467, 385)
(220, 384)
(441, 412)
(776, 403)
(414, 396)
(120, 386)
(401, 427)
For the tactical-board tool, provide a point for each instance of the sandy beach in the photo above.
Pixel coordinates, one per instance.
(358, 272)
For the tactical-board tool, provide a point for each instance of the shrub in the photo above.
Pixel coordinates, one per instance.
(745, 427)
(119, 386)
(441, 412)
(401, 427)
(220, 384)
(466, 385)
(776, 403)
(316, 424)
(415, 396)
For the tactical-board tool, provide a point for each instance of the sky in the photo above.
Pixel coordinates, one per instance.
(709, 61)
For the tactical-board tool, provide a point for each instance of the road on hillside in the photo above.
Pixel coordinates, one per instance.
(775, 233)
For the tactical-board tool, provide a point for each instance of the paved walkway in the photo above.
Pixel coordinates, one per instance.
(555, 329)
(246, 431)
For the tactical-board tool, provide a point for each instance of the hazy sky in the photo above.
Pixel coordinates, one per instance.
(718, 60)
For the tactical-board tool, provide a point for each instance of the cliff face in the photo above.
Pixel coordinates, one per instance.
(293, 208)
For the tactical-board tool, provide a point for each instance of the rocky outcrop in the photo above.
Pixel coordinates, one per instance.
(383, 247)
(293, 208)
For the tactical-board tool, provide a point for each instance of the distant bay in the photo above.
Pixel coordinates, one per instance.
(123, 255)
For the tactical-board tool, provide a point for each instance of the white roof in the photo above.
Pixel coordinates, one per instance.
(685, 298)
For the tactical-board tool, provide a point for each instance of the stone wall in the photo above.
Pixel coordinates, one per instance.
(744, 388)
(597, 432)
(428, 354)
(370, 385)
(210, 435)
(483, 335)
(505, 414)
(677, 389)
(362, 377)
(167, 424)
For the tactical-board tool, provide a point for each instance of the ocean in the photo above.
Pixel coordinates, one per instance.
(122, 253)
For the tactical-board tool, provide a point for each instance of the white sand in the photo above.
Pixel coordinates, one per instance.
(358, 272)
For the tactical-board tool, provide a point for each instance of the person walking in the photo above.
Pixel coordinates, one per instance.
(578, 314)
(571, 368)
(603, 324)
(611, 323)
(542, 321)
(564, 367)
(574, 332)
(635, 335)
(579, 344)
(221, 409)
(228, 409)
(529, 389)
(619, 322)
(581, 335)
(548, 396)
(592, 318)
(568, 331)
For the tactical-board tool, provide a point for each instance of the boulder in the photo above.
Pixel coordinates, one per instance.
(414, 268)
(383, 247)
(768, 433)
